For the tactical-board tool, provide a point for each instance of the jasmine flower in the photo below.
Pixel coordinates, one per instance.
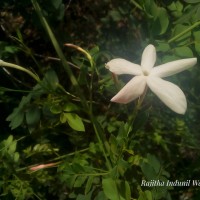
(148, 75)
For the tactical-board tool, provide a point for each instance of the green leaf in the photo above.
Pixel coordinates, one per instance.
(160, 192)
(63, 118)
(196, 35)
(150, 8)
(183, 52)
(70, 107)
(100, 196)
(8, 141)
(110, 188)
(146, 195)
(16, 120)
(85, 197)
(89, 184)
(75, 122)
(148, 171)
(12, 147)
(176, 8)
(116, 189)
(50, 80)
(153, 161)
(16, 157)
(158, 17)
(77, 168)
(33, 116)
(25, 101)
(70, 180)
(80, 181)
(124, 190)
(161, 22)
(17, 116)
(56, 108)
(197, 14)
(11, 49)
(122, 166)
(162, 46)
(56, 3)
(186, 17)
(94, 50)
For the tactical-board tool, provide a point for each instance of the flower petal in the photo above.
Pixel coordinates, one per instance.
(170, 94)
(122, 66)
(173, 67)
(148, 59)
(132, 90)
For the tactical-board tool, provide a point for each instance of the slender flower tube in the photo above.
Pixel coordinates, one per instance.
(148, 75)
(7, 64)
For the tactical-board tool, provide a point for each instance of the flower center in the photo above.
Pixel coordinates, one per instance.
(146, 73)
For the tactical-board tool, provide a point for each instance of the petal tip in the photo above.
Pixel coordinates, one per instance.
(148, 58)
(106, 66)
(118, 100)
(195, 60)
(150, 46)
(183, 110)
(180, 111)
(121, 66)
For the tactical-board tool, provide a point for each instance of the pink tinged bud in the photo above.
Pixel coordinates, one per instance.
(42, 166)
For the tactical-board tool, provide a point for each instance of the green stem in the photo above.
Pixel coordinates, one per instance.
(100, 138)
(13, 90)
(136, 4)
(184, 32)
(135, 112)
(68, 155)
(6, 64)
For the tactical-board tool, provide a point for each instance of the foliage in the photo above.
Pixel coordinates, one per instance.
(61, 138)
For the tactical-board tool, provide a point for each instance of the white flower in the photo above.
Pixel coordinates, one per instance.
(147, 75)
